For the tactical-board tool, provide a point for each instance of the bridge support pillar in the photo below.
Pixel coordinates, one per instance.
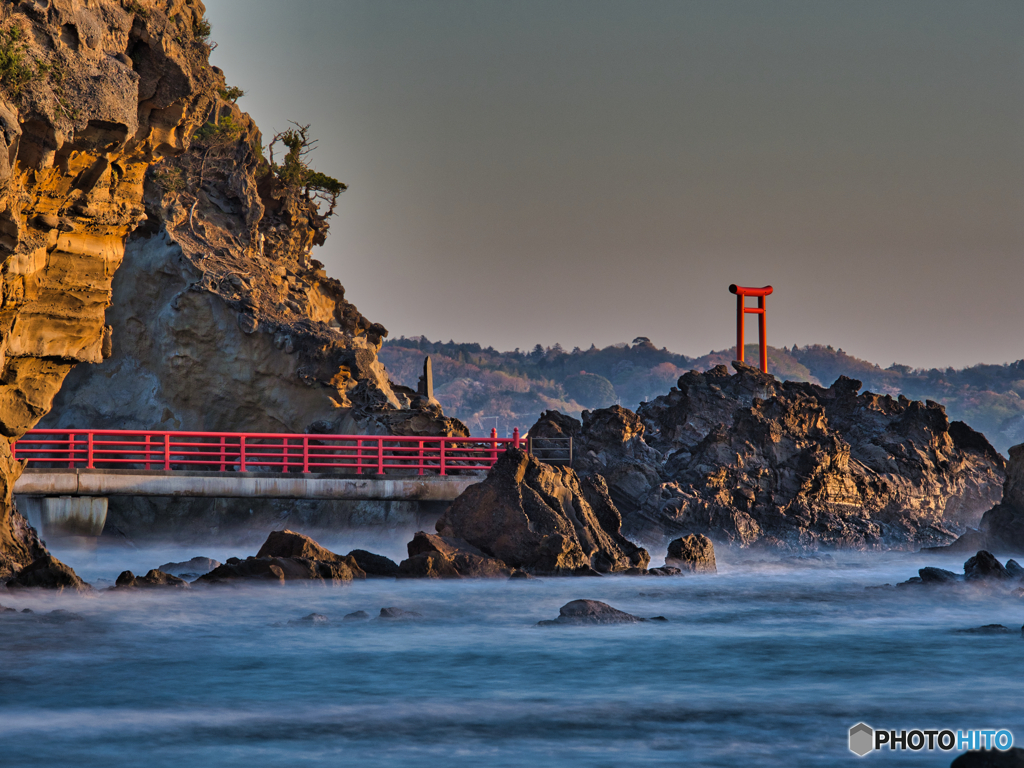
(65, 517)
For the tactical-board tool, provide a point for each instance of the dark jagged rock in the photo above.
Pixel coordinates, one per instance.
(47, 572)
(5, 609)
(1014, 570)
(747, 459)
(544, 519)
(356, 616)
(580, 612)
(289, 544)
(153, 579)
(374, 565)
(193, 568)
(983, 567)
(931, 575)
(287, 556)
(991, 758)
(312, 620)
(694, 553)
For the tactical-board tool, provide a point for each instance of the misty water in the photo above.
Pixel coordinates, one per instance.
(766, 664)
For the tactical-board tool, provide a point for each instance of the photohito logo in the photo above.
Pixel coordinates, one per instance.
(865, 739)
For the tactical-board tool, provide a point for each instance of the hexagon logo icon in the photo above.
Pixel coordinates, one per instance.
(862, 739)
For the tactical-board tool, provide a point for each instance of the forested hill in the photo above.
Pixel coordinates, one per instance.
(486, 388)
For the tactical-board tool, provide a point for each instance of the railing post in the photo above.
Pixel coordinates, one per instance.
(529, 444)
(241, 454)
(420, 461)
(223, 454)
(441, 451)
(380, 455)
(88, 452)
(71, 450)
(515, 437)
(167, 451)
(305, 454)
(359, 457)
(284, 456)
(494, 446)
(147, 453)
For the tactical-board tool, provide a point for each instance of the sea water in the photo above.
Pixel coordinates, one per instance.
(768, 663)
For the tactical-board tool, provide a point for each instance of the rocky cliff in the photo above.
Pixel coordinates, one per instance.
(751, 460)
(92, 92)
(145, 232)
(221, 319)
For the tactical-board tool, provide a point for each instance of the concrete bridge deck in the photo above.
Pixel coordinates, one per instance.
(268, 485)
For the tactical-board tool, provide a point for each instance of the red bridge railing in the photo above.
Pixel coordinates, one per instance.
(259, 452)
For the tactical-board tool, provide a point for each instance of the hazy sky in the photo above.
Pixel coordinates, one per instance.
(590, 171)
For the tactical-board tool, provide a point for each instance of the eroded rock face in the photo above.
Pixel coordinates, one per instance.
(749, 460)
(694, 553)
(110, 92)
(542, 519)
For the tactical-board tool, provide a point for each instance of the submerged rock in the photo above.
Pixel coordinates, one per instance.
(312, 620)
(5, 609)
(694, 553)
(154, 579)
(47, 573)
(193, 568)
(393, 614)
(988, 629)
(991, 758)
(543, 519)
(356, 616)
(590, 612)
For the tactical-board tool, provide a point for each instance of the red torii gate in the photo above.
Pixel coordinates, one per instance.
(742, 309)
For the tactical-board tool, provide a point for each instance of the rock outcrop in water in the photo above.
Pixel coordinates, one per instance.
(982, 569)
(290, 556)
(91, 95)
(694, 553)
(583, 612)
(749, 460)
(542, 519)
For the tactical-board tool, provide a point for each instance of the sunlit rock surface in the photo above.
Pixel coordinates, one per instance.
(750, 460)
(103, 93)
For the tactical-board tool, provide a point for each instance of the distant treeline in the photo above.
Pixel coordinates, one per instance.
(486, 388)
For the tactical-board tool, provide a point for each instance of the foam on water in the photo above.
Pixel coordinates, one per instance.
(768, 664)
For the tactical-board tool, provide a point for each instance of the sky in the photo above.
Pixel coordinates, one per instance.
(588, 171)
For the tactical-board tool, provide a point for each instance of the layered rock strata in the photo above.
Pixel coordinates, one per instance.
(750, 460)
(1001, 528)
(92, 93)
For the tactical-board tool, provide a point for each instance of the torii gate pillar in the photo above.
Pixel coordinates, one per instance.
(741, 310)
